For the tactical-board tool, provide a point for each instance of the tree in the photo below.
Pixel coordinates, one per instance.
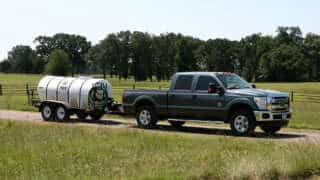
(21, 59)
(222, 55)
(142, 65)
(185, 56)
(285, 63)
(312, 53)
(58, 64)
(75, 46)
(125, 50)
(5, 66)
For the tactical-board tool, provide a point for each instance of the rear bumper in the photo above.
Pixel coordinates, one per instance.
(268, 116)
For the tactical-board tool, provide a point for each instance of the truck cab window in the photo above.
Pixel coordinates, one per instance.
(204, 82)
(183, 82)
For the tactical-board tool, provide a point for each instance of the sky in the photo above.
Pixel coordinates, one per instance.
(22, 21)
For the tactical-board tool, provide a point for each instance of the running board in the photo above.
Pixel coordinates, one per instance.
(195, 120)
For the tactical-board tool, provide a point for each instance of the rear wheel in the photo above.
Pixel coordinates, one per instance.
(47, 112)
(96, 115)
(270, 130)
(62, 113)
(82, 115)
(177, 124)
(146, 117)
(242, 123)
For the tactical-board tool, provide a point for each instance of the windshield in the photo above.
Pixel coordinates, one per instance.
(233, 81)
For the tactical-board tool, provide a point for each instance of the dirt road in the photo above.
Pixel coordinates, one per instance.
(299, 135)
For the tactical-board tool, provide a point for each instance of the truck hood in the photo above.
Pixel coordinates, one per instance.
(258, 92)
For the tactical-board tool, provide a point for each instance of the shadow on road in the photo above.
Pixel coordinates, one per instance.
(188, 129)
(224, 132)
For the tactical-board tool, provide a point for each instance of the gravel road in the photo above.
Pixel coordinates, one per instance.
(287, 134)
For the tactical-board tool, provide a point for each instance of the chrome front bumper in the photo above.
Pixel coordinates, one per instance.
(272, 116)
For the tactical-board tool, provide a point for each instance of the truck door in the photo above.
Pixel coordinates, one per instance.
(180, 97)
(207, 106)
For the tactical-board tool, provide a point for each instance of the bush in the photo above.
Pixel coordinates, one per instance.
(58, 64)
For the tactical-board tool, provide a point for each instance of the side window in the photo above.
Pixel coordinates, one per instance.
(183, 82)
(204, 82)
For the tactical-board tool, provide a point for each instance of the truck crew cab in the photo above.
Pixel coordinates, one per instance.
(210, 96)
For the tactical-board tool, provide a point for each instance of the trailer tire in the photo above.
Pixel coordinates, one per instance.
(146, 117)
(62, 113)
(96, 115)
(47, 112)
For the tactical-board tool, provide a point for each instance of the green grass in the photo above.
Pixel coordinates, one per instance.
(59, 151)
(306, 115)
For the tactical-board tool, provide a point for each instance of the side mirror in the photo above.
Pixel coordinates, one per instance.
(253, 86)
(221, 91)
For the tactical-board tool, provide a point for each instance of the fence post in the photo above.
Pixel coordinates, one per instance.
(160, 87)
(28, 93)
(1, 90)
(292, 96)
(133, 86)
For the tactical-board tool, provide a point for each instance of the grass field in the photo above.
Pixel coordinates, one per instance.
(58, 151)
(306, 115)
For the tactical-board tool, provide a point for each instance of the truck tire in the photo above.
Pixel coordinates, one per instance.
(242, 123)
(96, 115)
(47, 112)
(177, 124)
(146, 117)
(270, 130)
(82, 115)
(62, 113)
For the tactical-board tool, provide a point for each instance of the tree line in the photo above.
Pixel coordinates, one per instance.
(287, 56)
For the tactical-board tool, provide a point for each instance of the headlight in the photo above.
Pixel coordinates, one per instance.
(261, 102)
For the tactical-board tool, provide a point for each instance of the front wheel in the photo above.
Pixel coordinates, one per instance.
(96, 115)
(242, 123)
(177, 124)
(146, 117)
(270, 130)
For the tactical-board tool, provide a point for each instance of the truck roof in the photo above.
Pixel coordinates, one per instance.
(201, 73)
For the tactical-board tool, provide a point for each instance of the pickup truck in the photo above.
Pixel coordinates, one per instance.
(210, 96)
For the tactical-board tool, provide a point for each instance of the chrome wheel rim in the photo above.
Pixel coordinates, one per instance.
(145, 117)
(61, 113)
(47, 112)
(241, 123)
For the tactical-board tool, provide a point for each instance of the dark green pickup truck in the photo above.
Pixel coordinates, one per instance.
(210, 96)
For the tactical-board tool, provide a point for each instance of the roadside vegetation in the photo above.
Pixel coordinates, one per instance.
(62, 151)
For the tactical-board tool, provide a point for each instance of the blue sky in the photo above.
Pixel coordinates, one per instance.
(21, 21)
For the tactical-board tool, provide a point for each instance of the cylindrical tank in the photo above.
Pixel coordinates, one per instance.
(78, 93)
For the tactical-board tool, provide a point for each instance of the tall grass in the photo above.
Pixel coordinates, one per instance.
(56, 151)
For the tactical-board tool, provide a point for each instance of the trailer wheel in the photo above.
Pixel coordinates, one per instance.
(47, 112)
(62, 113)
(96, 115)
(146, 117)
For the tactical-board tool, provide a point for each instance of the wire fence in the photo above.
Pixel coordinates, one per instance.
(30, 91)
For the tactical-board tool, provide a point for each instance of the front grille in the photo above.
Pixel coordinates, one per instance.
(280, 104)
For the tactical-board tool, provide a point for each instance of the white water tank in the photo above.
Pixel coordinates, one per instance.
(78, 93)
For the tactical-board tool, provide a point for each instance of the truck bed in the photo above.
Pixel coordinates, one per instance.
(158, 97)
